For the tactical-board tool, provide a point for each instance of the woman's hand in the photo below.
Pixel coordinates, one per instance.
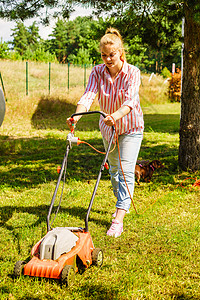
(109, 121)
(118, 114)
(71, 122)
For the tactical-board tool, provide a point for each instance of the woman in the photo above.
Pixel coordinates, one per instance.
(117, 84)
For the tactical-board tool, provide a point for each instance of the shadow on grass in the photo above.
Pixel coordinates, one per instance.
(91, 291)
(183, 296)
(99, 292)
(50, 110)
(6, 213)
(26, 163)
(40, 212)
(51, 113)
(29, 162)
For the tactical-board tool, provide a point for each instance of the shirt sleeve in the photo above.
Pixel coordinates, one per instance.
(132, 91)
(90, 91)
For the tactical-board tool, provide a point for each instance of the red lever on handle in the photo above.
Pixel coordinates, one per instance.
(72, 121)
(106, 166)
(58, 169)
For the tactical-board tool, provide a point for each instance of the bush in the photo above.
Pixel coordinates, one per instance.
(39, 55)
(4, 50)
(82, 57)
(175, 86)
(14, 55)
(165, 73)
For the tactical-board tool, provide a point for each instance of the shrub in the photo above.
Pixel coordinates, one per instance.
(4, 50)
(14, 55)
(82, 57)
(39, 55)
(165, 73)
(175, 86)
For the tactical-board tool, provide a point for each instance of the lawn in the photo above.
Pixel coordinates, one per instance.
(156, 257)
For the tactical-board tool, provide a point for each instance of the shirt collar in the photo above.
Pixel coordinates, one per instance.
(124, 68)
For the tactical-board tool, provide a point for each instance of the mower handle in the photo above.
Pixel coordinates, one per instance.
(63, 167)
(92, 112)
(102, 165)
(89, 113)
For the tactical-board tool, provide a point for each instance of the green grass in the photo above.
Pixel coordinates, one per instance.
(156, 257)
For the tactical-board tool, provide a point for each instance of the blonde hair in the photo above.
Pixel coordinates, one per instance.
(113, 37)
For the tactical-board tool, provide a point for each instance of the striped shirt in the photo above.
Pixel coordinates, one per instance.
(112, 95)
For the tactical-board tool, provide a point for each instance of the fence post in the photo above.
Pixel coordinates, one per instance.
(85, 77)
(27, 78)
(68, 76)
(49, 77)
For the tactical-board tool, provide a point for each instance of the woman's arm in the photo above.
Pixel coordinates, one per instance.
(86, 100)
(118, 114)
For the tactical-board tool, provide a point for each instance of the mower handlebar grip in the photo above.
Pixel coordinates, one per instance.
(89, 113)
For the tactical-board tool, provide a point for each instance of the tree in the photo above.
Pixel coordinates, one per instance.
(22, 9)
(189, 149)
(59, 40)
(158, 33)
(70, 38)
(33, 36)
(25, 38)
(20, 41)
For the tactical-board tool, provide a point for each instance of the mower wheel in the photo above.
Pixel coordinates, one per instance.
(97, 257)
(68, 275)
(19, 268)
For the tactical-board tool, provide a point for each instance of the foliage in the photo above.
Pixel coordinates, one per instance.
(153, 21)
(156, 31)
(136, 52)
(71, 37)
(4, 50)
(82, 57)
(28, 45)
(14, 55)
(22, 10)
(175, 86)
(165, 73)
(20, 41)
(39, 55)
(24, 38)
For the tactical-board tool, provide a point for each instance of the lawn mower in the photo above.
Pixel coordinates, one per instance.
(2, 106)
(60, 252)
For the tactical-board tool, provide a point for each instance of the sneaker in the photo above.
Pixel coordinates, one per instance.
(114, 215)
(115, 229)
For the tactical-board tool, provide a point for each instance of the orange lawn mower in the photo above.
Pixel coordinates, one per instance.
(62, 250)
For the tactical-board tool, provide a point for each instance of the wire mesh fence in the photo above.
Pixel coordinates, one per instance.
(26, 78)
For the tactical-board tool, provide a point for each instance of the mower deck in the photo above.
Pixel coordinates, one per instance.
(53, 268)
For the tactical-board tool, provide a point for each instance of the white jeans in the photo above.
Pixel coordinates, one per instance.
(129, 145)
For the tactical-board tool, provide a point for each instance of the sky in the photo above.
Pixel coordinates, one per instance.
(5, 26)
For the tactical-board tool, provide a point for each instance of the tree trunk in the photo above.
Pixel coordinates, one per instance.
(189, 149)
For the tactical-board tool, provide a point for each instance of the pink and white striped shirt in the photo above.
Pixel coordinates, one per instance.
(112, 95)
